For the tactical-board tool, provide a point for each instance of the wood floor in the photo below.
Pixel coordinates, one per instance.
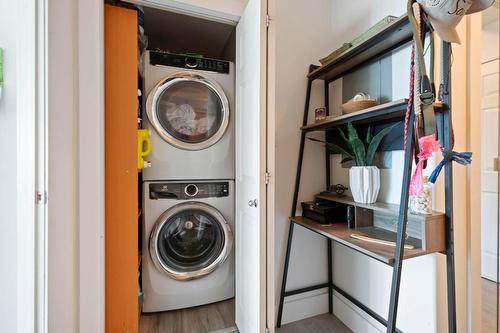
(220, 317)
(489, 306)
(325, 323)
(201, 319)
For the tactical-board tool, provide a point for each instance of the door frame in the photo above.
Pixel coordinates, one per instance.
(474, 286)
(31, 161)
(89, 87)
(41, 167)
(271, 168)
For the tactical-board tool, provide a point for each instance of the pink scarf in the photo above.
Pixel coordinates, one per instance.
(428, 145)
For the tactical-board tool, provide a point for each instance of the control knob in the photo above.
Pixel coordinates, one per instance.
(191, 190)
(191, 62)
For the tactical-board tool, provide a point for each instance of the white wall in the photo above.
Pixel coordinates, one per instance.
(490, 37)
(301, 37)
(302, 43)
(8, 171)
(63, 168)
(15, 313)
(17, 168)
(76, 166)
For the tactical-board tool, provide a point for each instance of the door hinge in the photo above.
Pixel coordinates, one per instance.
(267, 176)
(268, 20)
(40, 198)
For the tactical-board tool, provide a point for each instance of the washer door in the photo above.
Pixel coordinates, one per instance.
(188, 110)
(190, 240)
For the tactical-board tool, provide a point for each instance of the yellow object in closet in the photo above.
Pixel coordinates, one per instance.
(143, 147)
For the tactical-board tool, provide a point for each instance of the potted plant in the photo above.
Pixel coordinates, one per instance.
(364, 177)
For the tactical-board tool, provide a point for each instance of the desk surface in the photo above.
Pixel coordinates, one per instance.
(342, 234)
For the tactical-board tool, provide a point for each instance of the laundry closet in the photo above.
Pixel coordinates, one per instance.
(171, 113)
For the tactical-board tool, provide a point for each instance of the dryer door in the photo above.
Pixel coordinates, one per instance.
(190, 240)
(188, 110)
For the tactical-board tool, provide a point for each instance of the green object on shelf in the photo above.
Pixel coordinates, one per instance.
(194, 55)
(1, 68)
(382, 24)
(335, 54)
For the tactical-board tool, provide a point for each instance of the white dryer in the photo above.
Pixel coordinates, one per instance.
(188, 252)
(189, 106)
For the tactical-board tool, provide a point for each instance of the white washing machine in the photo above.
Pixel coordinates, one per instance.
(189, 106)
(188, 251)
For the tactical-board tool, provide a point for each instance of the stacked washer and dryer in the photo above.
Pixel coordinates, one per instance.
(188, 192)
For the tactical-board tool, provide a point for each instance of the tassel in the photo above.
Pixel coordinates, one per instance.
(428, 145)
(464, 158)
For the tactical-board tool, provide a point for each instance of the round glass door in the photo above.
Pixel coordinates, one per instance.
(188, 111)
(190, 240)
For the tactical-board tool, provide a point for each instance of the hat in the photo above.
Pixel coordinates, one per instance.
(446, 14)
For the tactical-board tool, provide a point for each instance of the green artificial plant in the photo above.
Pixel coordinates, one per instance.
(362, 153)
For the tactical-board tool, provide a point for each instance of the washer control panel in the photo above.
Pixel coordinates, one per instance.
(188, 190)
(188, 61)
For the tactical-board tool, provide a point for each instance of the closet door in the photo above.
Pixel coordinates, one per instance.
(120, 62)
(251, 126)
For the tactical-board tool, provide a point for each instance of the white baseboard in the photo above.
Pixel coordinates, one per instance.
(353, 317)
(305, 305)
(314, 303)
(488, 266)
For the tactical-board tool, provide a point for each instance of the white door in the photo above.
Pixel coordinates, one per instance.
(23, 114)
(489, 148)
(250, 233)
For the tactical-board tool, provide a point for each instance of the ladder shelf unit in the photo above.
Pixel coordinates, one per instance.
(437, 227)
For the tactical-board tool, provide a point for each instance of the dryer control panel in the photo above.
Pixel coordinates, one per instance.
(188, 190)
(188, 61)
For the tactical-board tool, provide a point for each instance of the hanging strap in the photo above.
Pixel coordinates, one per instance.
(426, 95)
(409, 106)
(417, 104)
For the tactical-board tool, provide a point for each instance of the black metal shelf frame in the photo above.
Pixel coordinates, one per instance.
(444, 127)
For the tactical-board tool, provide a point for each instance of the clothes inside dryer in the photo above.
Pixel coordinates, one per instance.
(190, 111)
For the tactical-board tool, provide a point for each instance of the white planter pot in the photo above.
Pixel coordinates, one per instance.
(364, 183)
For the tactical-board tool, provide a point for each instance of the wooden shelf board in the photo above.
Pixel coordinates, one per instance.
(394, 35)
(342, 234)
(388, 111)
(377, 206)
